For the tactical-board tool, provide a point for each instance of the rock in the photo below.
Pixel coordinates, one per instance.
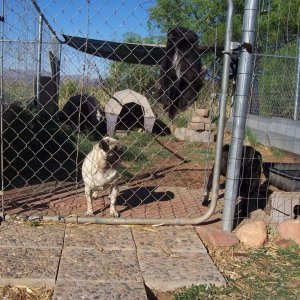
(283, 243)
(290, 230)
(199, 119)
(196, 126)
(184, 134)
(211, 126)
(216, 237)
(202, 112)
(253, 235)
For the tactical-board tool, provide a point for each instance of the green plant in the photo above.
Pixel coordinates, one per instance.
(269, 272)
(192, 151)
(277, 152)
(276, 89)
(181, 121)
(251, 137)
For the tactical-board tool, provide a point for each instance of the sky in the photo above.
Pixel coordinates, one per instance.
(98, 19)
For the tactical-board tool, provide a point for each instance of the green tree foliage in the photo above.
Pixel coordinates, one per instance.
(277, 82)
(200, 16)
(278, 22)
(140, 78)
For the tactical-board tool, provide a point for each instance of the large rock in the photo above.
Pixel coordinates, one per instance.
(184, 134)
(253, 235)
(290, 230)
(216, 237)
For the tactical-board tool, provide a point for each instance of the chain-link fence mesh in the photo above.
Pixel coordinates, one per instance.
(273, 92)
(272, 125)
(58, 102)
(76, 71)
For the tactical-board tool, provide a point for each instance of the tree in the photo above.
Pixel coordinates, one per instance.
(278, 23)
(140, 78)
(200, 16)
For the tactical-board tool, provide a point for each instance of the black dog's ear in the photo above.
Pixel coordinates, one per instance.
(104, 145)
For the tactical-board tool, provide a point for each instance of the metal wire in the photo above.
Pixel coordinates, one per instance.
(44, 147)
(58, 101)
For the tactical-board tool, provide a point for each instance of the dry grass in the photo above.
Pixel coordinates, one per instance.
(270, 272)
(18, 292)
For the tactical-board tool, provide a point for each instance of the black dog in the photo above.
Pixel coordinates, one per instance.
(181, 68)
(250, 172)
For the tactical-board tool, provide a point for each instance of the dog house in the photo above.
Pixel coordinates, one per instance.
(128, 109)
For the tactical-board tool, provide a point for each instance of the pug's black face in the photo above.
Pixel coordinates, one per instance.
(114, 155)
(112, 149)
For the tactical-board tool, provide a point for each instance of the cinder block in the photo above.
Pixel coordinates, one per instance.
(196, 126)
(211, 126)
(199, 119)
(183, 134)
(282, 205)
(202, 112)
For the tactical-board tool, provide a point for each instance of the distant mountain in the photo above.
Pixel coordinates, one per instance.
(22, 75)
(28, 76)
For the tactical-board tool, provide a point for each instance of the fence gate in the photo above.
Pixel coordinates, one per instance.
(74, 72)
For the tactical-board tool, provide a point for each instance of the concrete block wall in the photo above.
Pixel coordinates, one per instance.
(274, 132)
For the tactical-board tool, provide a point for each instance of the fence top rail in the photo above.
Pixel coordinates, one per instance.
(46, 21)
(275, 55)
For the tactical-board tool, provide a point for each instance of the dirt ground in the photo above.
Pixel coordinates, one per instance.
(174, 187)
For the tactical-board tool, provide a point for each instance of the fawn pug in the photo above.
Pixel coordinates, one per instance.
(99, 173)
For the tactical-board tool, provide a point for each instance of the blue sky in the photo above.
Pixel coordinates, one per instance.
(99, 19)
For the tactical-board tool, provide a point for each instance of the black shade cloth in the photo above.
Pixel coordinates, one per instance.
(124, 52)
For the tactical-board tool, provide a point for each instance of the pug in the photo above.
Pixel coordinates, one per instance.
(99, 173)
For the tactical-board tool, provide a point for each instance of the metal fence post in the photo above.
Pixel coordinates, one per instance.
(1, 111)
(240, 113)
(39, 66)
(223, 101)
(297, 94)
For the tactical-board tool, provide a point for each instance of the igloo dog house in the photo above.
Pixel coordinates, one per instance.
(128, 108)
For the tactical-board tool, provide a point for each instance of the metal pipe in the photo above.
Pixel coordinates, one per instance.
(241, 99)
(1, 111)
(39, 62)
(223, 101)
(45, 20)
(117, 221)
(297, 95)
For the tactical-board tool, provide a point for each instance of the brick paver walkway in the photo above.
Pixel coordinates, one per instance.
(104, 262)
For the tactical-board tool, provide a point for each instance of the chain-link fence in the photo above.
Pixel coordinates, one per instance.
(268, 172)
(273, 92)
(74, 72)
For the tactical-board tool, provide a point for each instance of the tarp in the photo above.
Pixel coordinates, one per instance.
(145, 54)
(124, 52)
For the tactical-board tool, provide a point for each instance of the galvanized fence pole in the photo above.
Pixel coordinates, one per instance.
(297, 94)
(1, 111)
(39, 62)
(241, 99)
(223, 101)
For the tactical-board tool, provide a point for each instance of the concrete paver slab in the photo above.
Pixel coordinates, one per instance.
(28, 266)
(104, 262)
(171, 239)
(167, 272)
(104, 266)
(86, 290)
(21, 235)
(99, 237)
